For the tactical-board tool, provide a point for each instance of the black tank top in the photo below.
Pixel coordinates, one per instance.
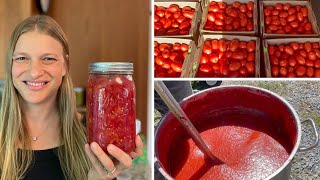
(45, 165)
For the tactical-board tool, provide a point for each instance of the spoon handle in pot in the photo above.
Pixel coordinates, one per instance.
(175, 108)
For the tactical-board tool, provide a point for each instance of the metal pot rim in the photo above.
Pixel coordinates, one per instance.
(296, 118)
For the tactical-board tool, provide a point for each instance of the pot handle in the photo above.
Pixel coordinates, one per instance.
(316, 142)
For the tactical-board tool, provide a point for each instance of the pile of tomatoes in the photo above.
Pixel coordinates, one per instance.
(169, 59)
(173, 20)
(295, 60)
(235, 17)
(227, 58)
(287, 19)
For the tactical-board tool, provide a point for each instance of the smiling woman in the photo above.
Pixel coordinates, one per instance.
(41, 136)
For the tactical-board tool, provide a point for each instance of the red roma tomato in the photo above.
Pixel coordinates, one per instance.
(243, 72)
(251, 46)
(267, 12)
(289, 50)
(300, 71)
(282, 21)
(224, 70)
(283, 14)
(188, 14)
(185, 54)
(234, 45)
(164, 46)
(228, 20)
(173, 31)
(156, 18)
(249, 14)
(312, 56)
(165, 53)
(286, 6)
(310, 71)
(294, 24)
(275, 71)
(229, 27)
(317, 73)
(205, 68)
(238, 56)
(250, 5)
(158, 25)
(176, 66)
(222, 5)
(308, 46)
(292, 11)
(167, 24)
(204, 59)
(303, 53)
(214, 58)
(294, 46)
(299, 16)
(285, 56)
(176, 14)
(283, 63)
(291, 75)
(175, 25)
(234, 66)
(228, 54)
(215, 44)
(288, 29)
(304, 11)
(207, 49)
(281, 47)
(283, 71)
(315, 45)
(271, 50)
(308, 27)
(168, 15)
(275, 13)
(216, 66)
(166, 64)
(243, 22)
(173, 56)
(317, 63)
(234, 74)
(274, 60)
(219, 22)
(233, 13)
(300, 59)
(243, 45)
(181, 19)
(291, 18)
(155, 44)
(309, 63)
(292, 62)
(298, 7)
(222, 45)
(156, 52)
(273, 28)
(221, 15)
(278, 54)
(280, 32)
(211, 17)
(184, 25)
(250, 56)
(176, 46)
(236, 4)
(184, 47)
(173, 8)
(267, 20)
(213, 8)
(317, 52)
(250, 67)
(278, 7)
(159, 61)
(160, 13)
(243, 8)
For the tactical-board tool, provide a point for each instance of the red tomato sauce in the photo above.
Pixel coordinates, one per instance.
(248, 147)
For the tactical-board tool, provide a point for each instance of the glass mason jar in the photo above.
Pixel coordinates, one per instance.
(111, 109)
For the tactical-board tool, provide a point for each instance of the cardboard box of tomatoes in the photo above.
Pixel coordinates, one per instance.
(230, 17)
(227, 56)
(177, 19)
(287, 19)
(173, 57)
(292, 57)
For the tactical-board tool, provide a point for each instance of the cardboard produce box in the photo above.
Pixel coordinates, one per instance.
(229, 2)
(311, 17)
(268, 42)
(195, 20)
(195, 62)
(186, 70)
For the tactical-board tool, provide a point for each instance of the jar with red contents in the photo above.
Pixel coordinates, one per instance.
(111, 105)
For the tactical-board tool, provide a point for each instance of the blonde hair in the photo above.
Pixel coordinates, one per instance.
(13, 163)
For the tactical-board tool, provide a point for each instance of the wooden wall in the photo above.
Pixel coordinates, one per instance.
(97, 30)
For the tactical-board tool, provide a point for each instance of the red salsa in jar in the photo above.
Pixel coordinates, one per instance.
(111, 105)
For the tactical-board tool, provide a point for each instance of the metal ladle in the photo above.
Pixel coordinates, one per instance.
(175, 108)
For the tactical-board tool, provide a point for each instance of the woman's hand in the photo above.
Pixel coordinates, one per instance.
(103, 167)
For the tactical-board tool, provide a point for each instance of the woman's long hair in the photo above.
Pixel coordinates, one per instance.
(14, 163)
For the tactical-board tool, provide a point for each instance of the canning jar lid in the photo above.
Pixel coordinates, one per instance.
(111, 67)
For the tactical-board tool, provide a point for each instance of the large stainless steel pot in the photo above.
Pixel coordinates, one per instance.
(220, 98)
